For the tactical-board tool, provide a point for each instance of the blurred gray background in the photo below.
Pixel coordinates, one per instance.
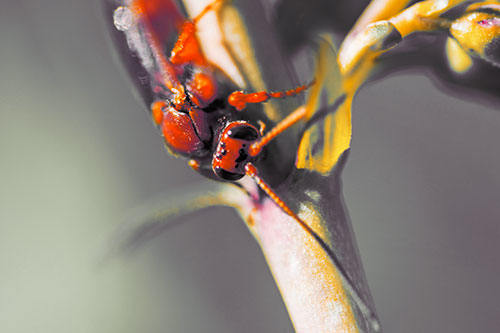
(78, 151)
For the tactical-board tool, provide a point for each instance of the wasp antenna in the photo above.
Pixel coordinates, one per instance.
(251, 170)
(297, 115)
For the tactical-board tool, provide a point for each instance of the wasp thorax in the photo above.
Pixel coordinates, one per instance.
(232, 155)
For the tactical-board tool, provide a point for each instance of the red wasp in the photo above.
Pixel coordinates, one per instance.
(198, 109)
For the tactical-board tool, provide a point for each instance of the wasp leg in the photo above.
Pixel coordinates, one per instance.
(262, 127)
(239, 99)
(157, 111)
(294, 117)
(209, 7)
(187, 48)
(194, 164)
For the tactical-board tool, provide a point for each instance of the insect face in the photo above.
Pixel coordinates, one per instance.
(232, 154)
(196, 106)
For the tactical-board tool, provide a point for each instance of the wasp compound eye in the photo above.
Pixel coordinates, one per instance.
(244, 132)
(180, 134)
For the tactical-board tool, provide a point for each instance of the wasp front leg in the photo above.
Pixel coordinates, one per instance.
(239, 99)
(194, 164)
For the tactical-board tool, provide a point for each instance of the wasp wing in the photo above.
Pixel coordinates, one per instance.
(143, 31)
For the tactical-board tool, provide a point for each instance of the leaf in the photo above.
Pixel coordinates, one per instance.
(328, 133)
(164, 211)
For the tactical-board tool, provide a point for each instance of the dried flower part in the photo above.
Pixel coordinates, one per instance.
(374, 38)
(458, 60)
(478, 33)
